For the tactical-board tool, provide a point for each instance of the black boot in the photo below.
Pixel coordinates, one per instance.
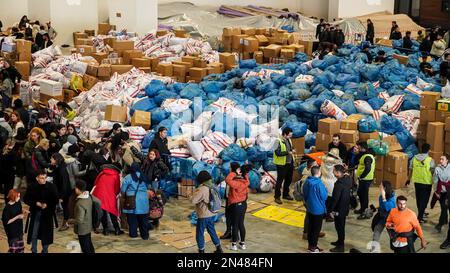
(201, 251)
(218, 249)
(226, 235)
(119, 232)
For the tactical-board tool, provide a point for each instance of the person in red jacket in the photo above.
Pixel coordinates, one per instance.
(106, 189)
(237, 200)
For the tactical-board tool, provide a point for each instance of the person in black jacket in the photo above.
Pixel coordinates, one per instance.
(40, 160)
(426, 45)
(396, 35)
(394, 26)
(380, 58)
(57, 139)
(325, 35)
(370, 35)
(14, 75)
(340, 205)
(62, 181)
(7, 167)
(320, 28)
(340, 37)
(153, 168)
(24, 114)
(407, 43)
(444, 69)
(366, 50)
(42, 198)
(160, 143)
(337, 144)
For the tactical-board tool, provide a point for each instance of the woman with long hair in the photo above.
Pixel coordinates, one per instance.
(16, 122)
(62, 181)
(12, 219)
(153, 168)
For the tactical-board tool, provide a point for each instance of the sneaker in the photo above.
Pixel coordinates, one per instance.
(445, 245)
(337, 249)
(201, 251)
(233, 247)
(334, 243)
(315, 250)
(288, 197)
(218, 250)
(278, 201)
(363, 217)
(242, 246)
(423, 221)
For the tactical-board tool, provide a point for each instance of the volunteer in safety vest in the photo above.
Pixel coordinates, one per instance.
(284, 160)
(67, 111)
(421, 174)
(365, 175)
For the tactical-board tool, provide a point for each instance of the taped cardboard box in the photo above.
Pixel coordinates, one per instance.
(104, 28)
(24, 69)
(428, 100)
(322, 141)
(272, 51)
(89, 81)
(25, 57)
(308, 45)
(120, 69)
(238, 41)
(349, 136)
(329, 126)
(186, 64)
(230, 31)
(379, 162)
(435, 136)
(396, 162)
(262, 40)
(447, 137)
(200, 63)
(142, 119)
(402, 59)
(92, 70)
(219, 68)
(227, 59)
(154, 63)
(179, 72)
(100, 56)
(89, 32)
(422, 131)
(165, 69)
(259, 57)
(85, 50)
(161, 32)
(349, 124)
(251, 44)
(104, 70)
(379, 177)
(141, 62)
(248, 31)
(287, 54)
(84, 41)
(122, 45)
(116, 113)
(447, 148)
(366, 136)
(196, 72)
(398, 180)
(128, 55)
(393, 143)
(447, 124)
(261, 31)
(23, 46)
(181, 33)
(189, 59)
(427, 116)
(299, 145)
(79, 35)
(441, 116)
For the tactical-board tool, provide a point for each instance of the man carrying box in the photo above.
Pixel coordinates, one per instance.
(365, 174)
(284, 160)
(421, 174)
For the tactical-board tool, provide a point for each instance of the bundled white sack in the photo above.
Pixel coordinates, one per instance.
(330, 109)
(193, 131)
(308, 79)
(196, 149)
(393, 104)
(363, 107)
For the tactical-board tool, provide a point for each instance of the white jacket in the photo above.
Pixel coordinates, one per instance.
(438, 47)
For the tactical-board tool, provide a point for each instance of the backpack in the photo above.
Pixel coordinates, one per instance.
(215, 202)
(298, 193)
(97, 212)
(4, 135)
(156, 204)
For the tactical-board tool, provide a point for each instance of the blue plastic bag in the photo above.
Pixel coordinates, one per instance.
(159, 115)
(252, 83)
(254, 178)
(147, 140)
(145, 105)
(269, 166)
(254, 154)
(154, 87)
(233, 153)
(405, 139)
(212, 86)
(164, 95)
(249, 64)
(390, 125)
(191, 91)
(368, 125)
(298, 128)
(212, 169)
(349, 107)
(376, 103)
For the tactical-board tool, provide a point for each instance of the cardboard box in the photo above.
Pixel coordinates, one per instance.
(272, 51)
(45, 98)
(109, 41)
(384, 42)
(155, 62)
(200, 63)
(287, 53)
(435, 136)
(329, 126)
(189, 59)
(349, 124)
(104, 70)
(322, 141)
(165, 69)
(69, 95)
(447, 148)
(185, 191)
(230, 31)
(198, 73)
(447, 137)
(443, 105)
(260, 31)
(378, 177)
(251, 44)
(217, 67)
(179, 71)
(51, 88)
(187, 182)
(23, 46)
(25, 57)
(401, 59)
(308, 45)
(262, 40)
(428, 100)
(120, 68)
(393, 143)
(79, 35)
(299, 145)
(85, 50)
(366, 136)
(84, 41)
(116, 113)
(379, 162)
(147, 70)
(120, 45)
(427, 116)
(349, 136)
(237, 41)
(161, 32)
(92, 70)
(398, 180)
(24, 69)
(250, 31)
(436, 156)
(128, 55)
(142, 119)
(90, 32)
(422, 132)
(89, 81)
(100, 56)
(227, 59)
(259, 57)
(396, 162)
(186, 64)
(447, 124)
(441, 116)
(297, 48)
(104, 28)
(141, 62)
(181, 33)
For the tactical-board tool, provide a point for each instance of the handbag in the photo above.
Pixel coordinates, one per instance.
(129, 201)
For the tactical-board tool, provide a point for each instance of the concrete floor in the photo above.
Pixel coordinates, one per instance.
(263, 236)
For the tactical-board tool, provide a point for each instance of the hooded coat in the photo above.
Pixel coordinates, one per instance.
(107, 188)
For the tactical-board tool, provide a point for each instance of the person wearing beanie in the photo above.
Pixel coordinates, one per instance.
(201, 199)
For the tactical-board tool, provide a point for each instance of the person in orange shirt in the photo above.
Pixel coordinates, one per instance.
(404, 228)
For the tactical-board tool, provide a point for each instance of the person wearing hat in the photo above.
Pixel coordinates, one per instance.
(331, 159)
(19, 143)
(201, 199)
(160, 143)
(365, 174)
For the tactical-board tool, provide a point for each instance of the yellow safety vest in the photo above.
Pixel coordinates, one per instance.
(281, 160)
(361, 166)
(70, 115)
(421, 173)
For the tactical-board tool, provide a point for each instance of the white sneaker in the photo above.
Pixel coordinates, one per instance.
(242, 246)
(233, 247)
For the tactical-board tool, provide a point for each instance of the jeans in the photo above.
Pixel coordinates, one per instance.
(136, 221)
(208, 224)
(363, 193)
(443, 219)
(228, 215)
(314, 228)
(284, 173)
(378, 229)
(86, 244)
(423, 193)
(35, 234)
(339, 224)
(238, 216)
(65, 207)
(155, 185)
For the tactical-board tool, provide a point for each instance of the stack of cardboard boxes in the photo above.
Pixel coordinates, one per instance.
(18, 54)
(447, 136)
(349, 130)
(396, 169)
(186, 188)
(261, 44)
(327, 128)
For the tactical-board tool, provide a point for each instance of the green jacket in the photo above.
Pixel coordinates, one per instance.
(83, 214)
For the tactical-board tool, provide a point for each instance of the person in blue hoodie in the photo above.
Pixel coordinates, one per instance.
(387, 201)
(134, 185)
(315, 195)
